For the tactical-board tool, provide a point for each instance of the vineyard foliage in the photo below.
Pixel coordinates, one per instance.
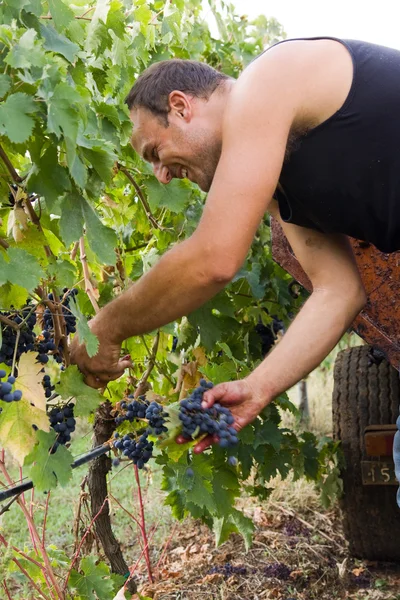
(79, 209)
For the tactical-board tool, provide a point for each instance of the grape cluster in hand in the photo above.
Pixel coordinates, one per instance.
(26, 338)
(63, 422)
(217, 420)
(138, 450)
(6, 392)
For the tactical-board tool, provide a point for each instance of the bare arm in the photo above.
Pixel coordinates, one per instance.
(337, 297)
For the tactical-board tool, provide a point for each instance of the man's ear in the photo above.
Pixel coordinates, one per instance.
(180, 105)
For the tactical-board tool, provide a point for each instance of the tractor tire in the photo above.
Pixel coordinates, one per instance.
(365, 394)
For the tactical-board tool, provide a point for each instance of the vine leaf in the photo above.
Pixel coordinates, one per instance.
(173, 196)
(72, 386)
(22, 269)
(83, 330)
(16, 431)
(58, 43)
(15, 120)
(30, 380)
(268, 433)
(48, 469)
(93, 583)
(5, 84)
(62, 15)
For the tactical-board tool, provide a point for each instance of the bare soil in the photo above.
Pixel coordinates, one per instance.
(295, 555)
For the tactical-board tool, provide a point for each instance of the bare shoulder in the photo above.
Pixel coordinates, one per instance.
(313, 76)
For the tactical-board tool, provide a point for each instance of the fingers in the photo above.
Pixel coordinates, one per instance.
(125, 363)
(205, 443)
(213, 395)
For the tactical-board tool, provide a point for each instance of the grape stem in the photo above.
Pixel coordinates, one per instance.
(141, 197)
(9, 166)
(15, 351)
(88, 284)
(150, 366)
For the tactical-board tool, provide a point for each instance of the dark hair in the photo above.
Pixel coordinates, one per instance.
(152, 88)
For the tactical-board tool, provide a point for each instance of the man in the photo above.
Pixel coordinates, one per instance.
(310, 133)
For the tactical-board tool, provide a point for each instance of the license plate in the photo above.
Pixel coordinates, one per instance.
(378, 473)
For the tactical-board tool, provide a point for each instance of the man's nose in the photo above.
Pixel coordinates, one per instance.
(162, 173)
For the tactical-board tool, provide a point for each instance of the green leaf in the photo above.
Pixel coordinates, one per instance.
(62, 15)
(76, 167)
(16, 431)
(93, 582)
(62, 116)
(71, 222)
(56, 42)
(173, 196)
(15, 120)
(208, 324)
(47, 470)
(268, 433)
(5, 84)
(102, 239)
(102, 160)
(82, 328)
(72, 386)
(22, 269)
(49, 179)
(26, 53)
(245, 527)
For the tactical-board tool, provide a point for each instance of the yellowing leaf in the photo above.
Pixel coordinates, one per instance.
(16, 431)
(30, 380)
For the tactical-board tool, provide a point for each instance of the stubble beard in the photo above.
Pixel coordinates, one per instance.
(209, 160)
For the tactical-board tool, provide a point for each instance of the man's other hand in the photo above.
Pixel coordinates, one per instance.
(241, 397)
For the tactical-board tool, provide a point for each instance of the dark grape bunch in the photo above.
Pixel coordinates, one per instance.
(141, 409)
(46, 343)
(136, 409)
(63, 422)
(138, 450)
(156, 416)
(217, 420)
(26, 338)
(48, 387)
(6, 392)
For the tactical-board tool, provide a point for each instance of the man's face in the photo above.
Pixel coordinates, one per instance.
(184, 149)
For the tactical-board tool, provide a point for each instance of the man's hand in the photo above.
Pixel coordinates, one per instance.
(241, 397)
(105, 366)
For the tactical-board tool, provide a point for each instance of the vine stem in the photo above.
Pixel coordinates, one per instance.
(88, 284)
(9, 166)
(76, 555)
(143, 525)
(142, 199)
(34, 532)
(8, 322)
(46, 510)
(151, 364)
(6, 590)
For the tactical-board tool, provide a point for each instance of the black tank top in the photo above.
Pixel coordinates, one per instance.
(344, 175)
